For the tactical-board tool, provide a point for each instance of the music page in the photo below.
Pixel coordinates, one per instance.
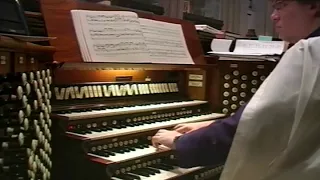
(253, 50)
(110, 36)
(259, 47)
(220, 45)
(165, 42)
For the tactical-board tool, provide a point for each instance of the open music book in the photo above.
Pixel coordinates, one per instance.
(208, 29)
(248, 49)
(121, 36)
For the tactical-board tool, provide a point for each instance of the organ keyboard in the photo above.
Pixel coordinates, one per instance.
(161, 166)
(116, 126)
(121, 148)
(124, 129)
(111, 111)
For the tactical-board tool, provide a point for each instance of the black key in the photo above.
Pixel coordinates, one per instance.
(120, 151)
(141, 173)
(122, 176)
(111, 153)
(129, 176)
(167, 165)
(162, 166)
(96, 130)
(154, 170)
(145, 145)
(78, 131)
(104, 154)
(149, 171)
(106, 128)
(131, 148)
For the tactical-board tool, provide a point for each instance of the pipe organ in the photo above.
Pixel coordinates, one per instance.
(85, 121)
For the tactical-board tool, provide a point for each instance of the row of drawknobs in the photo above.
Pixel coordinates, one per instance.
(25, 136)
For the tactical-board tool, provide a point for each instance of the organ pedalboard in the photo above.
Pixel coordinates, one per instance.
(106, 129)
(25, 136)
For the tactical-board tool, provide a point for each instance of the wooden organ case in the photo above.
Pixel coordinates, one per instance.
(104, 114)
(25, 123)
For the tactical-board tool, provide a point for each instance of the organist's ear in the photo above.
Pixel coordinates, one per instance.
(316, 7)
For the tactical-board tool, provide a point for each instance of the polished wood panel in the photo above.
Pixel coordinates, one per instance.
(74, 76)
(213, 87)
(127, 66)
(22, 56)
(59, 24)
(21, 46)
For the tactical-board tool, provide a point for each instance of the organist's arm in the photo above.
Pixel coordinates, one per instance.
(189, 127)
(206, 146)
(209, 145)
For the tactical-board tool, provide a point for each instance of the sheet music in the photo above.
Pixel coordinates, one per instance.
(110, 36)
(259, 47)
(220, 45)
(251, 50)
(208, 29)
(165, 42)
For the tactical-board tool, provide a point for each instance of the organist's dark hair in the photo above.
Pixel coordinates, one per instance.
(300, 1)
(314, 3)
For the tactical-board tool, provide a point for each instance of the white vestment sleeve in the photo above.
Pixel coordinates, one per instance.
(279, 131)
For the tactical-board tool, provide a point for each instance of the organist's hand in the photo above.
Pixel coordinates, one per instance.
(189, 127)
(163, 148)
(165, 138)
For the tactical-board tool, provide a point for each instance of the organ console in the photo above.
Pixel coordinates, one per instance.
(113, 124)
(96, 120)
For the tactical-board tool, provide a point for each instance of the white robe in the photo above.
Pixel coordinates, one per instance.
(278, 137)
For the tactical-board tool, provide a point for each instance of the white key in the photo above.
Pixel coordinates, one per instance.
(177, 171)
(146, 127)
(114, 178)
(128, 155)
(162, 175)
(127, 110)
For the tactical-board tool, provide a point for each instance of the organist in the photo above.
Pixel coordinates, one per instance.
(203, 144)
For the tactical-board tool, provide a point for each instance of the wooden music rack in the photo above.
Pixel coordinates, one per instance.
(57, 16)
(59, 24)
